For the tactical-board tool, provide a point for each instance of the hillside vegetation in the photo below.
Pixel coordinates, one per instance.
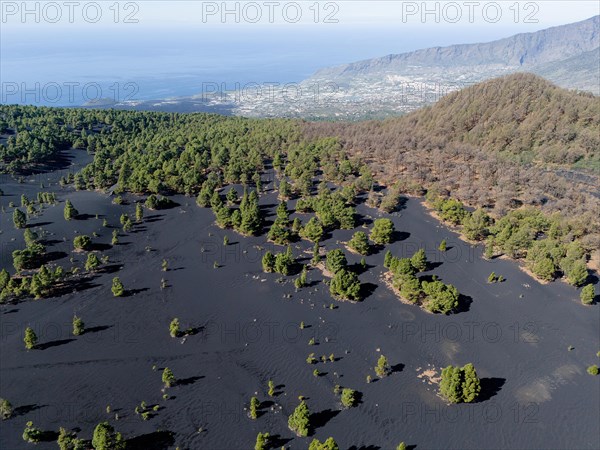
(500, 145)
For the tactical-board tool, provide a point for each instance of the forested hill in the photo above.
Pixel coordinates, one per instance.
(521, 116)
(497, 144)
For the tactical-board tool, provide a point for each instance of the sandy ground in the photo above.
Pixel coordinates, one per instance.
(536, 393)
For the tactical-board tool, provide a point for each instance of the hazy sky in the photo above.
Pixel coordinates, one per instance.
(173, 46)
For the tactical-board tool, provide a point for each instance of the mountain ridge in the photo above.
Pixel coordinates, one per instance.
(520, 50)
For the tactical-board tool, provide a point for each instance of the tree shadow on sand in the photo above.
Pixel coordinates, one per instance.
(432, 265)
(366, 447)
(154, 218)
(464, 303)
(132, 292)
(38, 224)
(157, 440)
(97, 329)
(489, 388)
(398, 236)
(50, 256)
(359, 269)
(367, 289)
(51, 344)
(72, 286)
(25, 409)
(320, 419)
(188, 381)
(85, 216)
(276, 441)
(111, 268)
(100, 247)
(48, 436)
(396, 368)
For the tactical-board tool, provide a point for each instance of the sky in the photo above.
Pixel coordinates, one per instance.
(169, 48)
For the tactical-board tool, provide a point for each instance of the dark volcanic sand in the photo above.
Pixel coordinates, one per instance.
(537, 394)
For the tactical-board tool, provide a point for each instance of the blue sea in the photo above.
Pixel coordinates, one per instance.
(69, 66)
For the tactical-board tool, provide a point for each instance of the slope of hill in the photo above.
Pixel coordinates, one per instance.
(499, 144)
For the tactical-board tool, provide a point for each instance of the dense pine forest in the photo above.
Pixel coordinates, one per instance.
(487, 158)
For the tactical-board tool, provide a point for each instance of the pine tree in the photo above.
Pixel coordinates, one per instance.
(284, 190)
(489, 249)
(4, 278)
(262, 441)
(313, 230)
(257, 182)
(82, 242)
(70, 212)
(471, 386)
(231, 196)
(348, 397)
(167, 377)
(67, 440)
(296, 225)
(78, 326)
(382, 368)
(216, 202)
(284, 262)
(359, 243)
(460, 384)
(282, 212)
(578, 274)
(419, 260)
(382, 231)
(223, 216)
(6, 409)
(105, 438)
(335, 260)
(30, 338)
(19, 219)
(587, 294)
(174, 327)
(316, 255)
(117, 287)
(268, 262)
(278, 233)
(139, 212)
(387, 259)
(451, 384)
(345, 285)
(250, 212)
(254, 405)
(299, 421)
(329, 444)
(92, 262)
(442, 247)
